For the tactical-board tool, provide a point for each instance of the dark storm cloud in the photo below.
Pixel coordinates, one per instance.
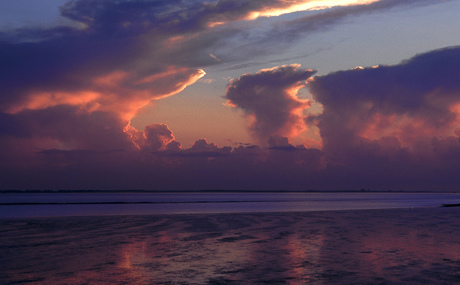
(67, 125)
(413, 101)
(205, 167)
(397, 125)
(201, 148)
(282, 143)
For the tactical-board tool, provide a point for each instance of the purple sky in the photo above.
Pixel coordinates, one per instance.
(230, 94)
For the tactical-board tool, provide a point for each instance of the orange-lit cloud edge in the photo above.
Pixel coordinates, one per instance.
(270, 102)
(107, 92)
(286, 7)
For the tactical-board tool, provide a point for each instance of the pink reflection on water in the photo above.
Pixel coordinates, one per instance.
(372, 246)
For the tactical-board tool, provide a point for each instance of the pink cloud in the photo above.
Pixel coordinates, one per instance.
(269, 100)
(155, 137)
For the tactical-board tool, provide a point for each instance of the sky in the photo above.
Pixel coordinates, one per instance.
(230, 95)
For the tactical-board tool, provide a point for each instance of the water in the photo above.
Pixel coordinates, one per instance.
(15, 205)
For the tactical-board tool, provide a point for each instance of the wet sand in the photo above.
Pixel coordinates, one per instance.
(393, 246)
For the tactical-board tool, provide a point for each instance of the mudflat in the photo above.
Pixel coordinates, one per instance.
(391, 246)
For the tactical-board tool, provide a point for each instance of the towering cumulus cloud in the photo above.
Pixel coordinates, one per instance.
(269, 100)
(396, 122)
(411, 103)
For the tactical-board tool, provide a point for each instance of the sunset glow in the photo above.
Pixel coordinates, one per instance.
(229, 141)
(44, 100)
(230, 95)
(308, 5)
(286, 7)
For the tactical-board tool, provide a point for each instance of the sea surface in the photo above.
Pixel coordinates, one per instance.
(20, 205)
(229, 238)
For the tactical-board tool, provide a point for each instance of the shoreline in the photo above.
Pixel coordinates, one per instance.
(83, 204)
(216, 191)
(287, 212)
(211, 213)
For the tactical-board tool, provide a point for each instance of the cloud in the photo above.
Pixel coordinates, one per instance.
(266, 37)
(412, 102)
(68, 94)
(122, 46)
(395, 124)
(154, 138)
(100, 74)
(67, 128)
(221, 12)
(282, 143)
(333, 14)
(201, 148)
(182, 33)
(204, 166)
(269, 100)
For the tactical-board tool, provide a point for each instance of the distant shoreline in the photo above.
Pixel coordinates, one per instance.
(217, 191)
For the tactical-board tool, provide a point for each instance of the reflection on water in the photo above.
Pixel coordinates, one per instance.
(372, 246)
(304, 254)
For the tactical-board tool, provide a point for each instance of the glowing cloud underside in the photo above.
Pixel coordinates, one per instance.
(309, 6)
(287, 7)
